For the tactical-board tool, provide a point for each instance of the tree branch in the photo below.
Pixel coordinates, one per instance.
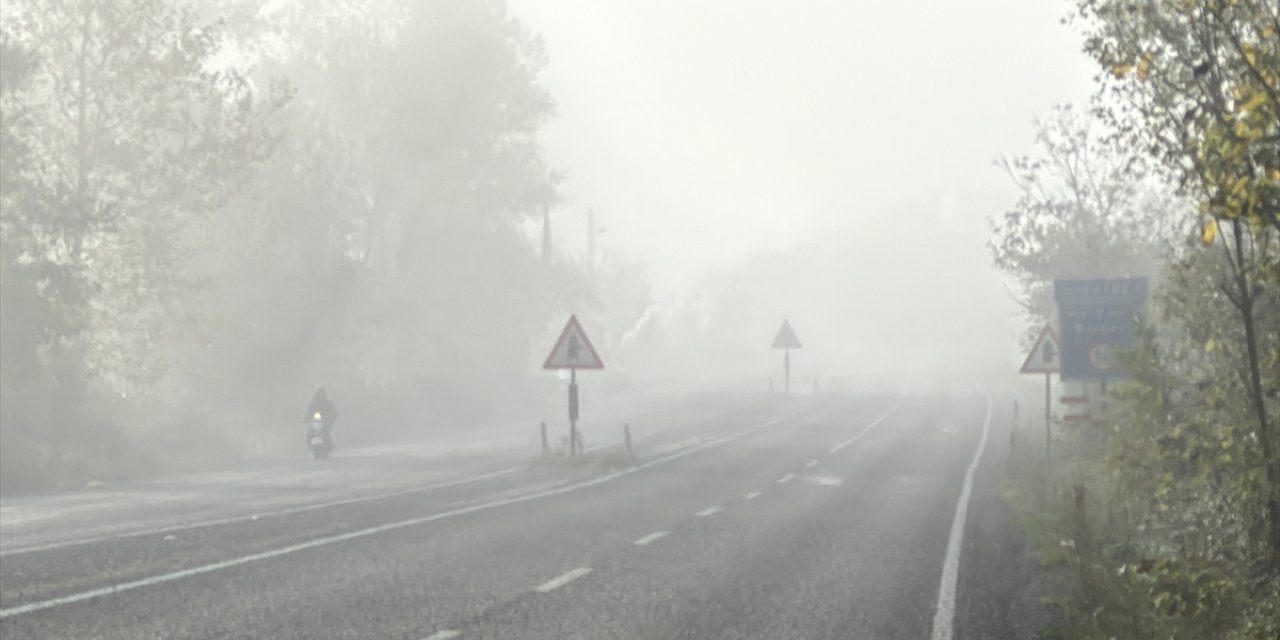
(1234, 40)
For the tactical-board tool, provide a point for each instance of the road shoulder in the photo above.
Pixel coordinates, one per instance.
(1004, 589)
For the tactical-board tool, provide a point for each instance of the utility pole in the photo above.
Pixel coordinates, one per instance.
(592, 232)
(546, 234)
(591, 241)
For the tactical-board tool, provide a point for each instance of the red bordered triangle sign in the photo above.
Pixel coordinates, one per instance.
(573, 350)
(786, 338)
(1046, 356)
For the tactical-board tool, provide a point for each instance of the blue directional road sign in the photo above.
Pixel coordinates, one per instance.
(1095, 317)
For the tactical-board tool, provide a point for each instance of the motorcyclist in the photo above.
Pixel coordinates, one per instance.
(320, 403)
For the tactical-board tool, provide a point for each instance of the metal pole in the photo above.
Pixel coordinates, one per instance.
(573, 412)
(544, 439)
(786, 364)
(626, 435)
(591, 241)
(1048, 433)
(1013, 433)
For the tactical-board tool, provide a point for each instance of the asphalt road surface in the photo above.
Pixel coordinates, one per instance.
(830, 516)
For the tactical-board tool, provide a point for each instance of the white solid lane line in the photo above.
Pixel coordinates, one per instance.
(656, 535)
(262, 514)
(787, 478)
(162, 578)
(811, 464)
(443, 634)
(867, 429)
(944, 616)
(709, 511)
(752, 496)
(552, 585)
(875, 423)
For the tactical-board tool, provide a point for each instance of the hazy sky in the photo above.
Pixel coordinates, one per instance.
(704, 131)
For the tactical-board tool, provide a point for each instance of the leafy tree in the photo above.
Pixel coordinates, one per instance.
(387, 229)
(129, 129)
(1086, 210)
(195, 241)
(22, 312)
(131, 134)
(1197, 84)
(1179, 554)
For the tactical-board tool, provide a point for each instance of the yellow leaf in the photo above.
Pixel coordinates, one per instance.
(1210, 232)
(1209, 346)
(1257, 100)
(1144, 66)
(1121, 70)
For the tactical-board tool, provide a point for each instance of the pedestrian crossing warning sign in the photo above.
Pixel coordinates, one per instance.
(573, 350)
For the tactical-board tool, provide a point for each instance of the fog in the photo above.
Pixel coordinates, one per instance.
(831, 163)
(639, 319)
(364, 210)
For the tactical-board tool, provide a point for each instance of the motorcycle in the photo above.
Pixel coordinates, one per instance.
(317, 439)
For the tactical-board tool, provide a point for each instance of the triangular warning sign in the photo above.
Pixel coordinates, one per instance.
(573, 350)
(786, 338)
(1046, 356)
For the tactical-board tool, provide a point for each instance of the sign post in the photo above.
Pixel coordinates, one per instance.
(1048, 419)
(573, 351)
(1045, 357)
(786, 340)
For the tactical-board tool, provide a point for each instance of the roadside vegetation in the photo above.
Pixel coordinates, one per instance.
(208, 209)
(1162, 515)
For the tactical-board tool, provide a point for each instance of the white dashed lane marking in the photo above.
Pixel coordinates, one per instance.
(709, 511)
(787, 478)
(656, 535)
(162, 578)
(552, 585)
(443, 634)
(752, 496)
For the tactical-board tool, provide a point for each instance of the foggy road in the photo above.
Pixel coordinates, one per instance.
(815, 517)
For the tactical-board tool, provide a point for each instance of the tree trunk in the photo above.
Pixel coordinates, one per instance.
(1271, 462)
